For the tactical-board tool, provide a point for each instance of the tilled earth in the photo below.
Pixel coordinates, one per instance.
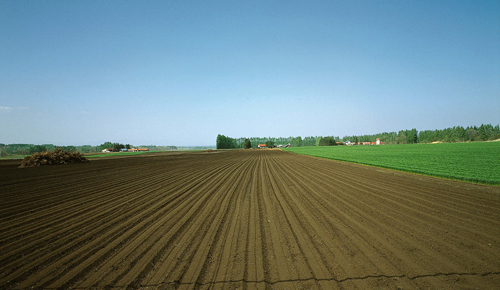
(254, 219)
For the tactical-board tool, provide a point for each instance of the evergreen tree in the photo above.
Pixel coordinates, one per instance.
(247, 144)
(483, 133)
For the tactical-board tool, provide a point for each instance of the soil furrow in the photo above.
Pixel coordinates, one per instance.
(246, 219)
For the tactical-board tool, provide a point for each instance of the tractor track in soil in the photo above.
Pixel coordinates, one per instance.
(250, 219)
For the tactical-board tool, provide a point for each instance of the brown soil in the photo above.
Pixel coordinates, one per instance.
(250, 219)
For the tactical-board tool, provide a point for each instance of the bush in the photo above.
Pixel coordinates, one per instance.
(49, 158)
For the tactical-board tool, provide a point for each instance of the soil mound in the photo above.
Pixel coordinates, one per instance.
(49, 158)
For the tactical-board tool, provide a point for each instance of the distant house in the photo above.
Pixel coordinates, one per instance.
(123, 150)
(143, 149)
(261, 146)
(378, 142)
(107, 150)
(132, 150)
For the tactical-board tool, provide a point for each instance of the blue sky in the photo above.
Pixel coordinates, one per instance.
(181, 72)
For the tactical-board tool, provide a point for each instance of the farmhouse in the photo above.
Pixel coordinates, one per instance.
(261, 146)
(107, 150)
(378, 142)
(132, 149)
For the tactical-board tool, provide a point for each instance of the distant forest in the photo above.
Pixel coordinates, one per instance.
(448, 135)
(26, 149)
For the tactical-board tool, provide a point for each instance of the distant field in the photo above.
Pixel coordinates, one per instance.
(474, 162)
(115, 154)
(13, 157)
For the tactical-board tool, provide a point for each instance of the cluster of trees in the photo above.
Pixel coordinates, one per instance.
(28, 149)
(224, 142)
(401, 137)
(327, 141)
(461, 134)
(116, 146)
(454, 134)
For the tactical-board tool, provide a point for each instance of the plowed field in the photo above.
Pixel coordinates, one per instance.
(255, 219)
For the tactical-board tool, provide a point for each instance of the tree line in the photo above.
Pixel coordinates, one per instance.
(28, 149)
(484, 132)
(449, 135)
(224, 142)
(412, 136)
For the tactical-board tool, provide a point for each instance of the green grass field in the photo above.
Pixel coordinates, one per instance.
(474, 162)
(13, 157)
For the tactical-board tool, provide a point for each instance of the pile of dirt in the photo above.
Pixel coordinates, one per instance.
(49, 158)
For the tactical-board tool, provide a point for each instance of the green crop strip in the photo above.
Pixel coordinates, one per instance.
(474, 162)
